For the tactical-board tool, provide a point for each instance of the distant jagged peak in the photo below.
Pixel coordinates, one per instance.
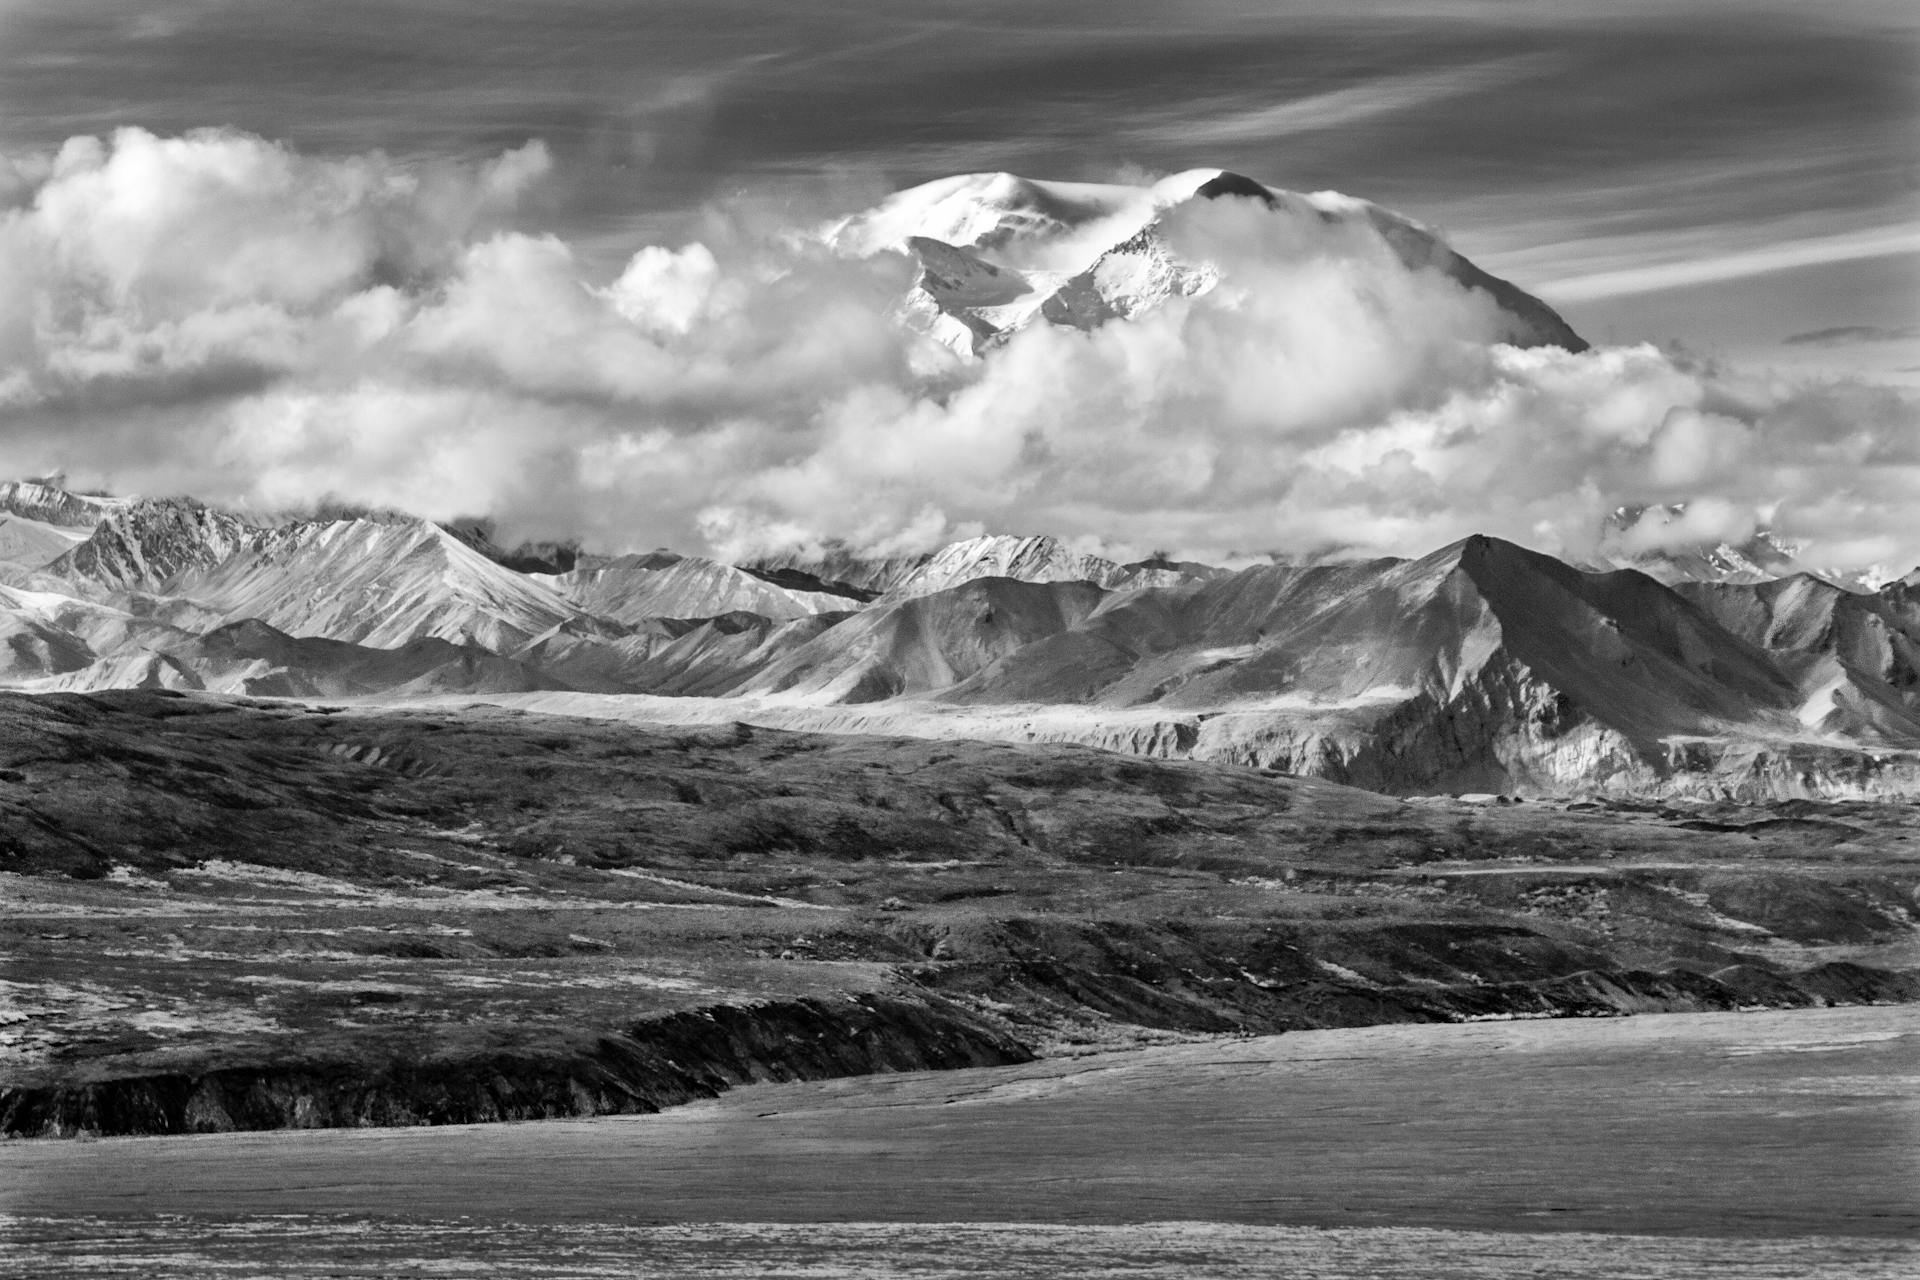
(1025, 558)
(1032, 558)
(47, 500)
(1643, 537)
(146, 543)
(1160, 569)
(796, 579)
(524, 557)
(664, 584)
(590, 564)
(845, 571)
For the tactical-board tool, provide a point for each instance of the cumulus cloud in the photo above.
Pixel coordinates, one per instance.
(156, 260)
(1708, 522)
(218, 314)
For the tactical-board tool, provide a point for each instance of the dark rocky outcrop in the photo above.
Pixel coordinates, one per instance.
(653, 1064)
(1226, 977)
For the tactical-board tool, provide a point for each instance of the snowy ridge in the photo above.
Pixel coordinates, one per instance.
(1058, 226)
(146, 544)
(1482, 666)
(664, 585)
(1026, 559)
(47, 503)
(377, 583)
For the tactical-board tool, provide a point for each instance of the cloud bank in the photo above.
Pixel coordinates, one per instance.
(221, 315)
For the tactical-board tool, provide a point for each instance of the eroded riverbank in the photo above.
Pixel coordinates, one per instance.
(1771, 1125)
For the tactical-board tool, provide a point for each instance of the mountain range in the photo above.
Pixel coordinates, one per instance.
(1481, 667)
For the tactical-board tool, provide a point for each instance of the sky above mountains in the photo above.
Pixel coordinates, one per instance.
(1608, 156)
(370, 283)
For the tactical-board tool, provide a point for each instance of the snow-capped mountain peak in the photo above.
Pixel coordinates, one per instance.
(1033, 223)
(996, 251)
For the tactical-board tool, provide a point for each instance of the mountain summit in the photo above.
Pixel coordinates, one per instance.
(998, 252)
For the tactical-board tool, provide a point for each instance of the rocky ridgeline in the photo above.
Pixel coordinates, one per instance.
(1440, 750)
(1481, 667)
(146, 544)
(48, 503)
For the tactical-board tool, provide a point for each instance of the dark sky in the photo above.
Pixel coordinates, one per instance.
(1727, 175)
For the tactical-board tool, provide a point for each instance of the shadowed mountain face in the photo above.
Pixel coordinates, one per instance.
(1481, 667)
(926, 644)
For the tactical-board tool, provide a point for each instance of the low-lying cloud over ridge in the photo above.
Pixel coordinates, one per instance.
(218, 314)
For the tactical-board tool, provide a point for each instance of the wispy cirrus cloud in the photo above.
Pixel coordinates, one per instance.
(1845, 334)
(1232, 122)
(1680, 272)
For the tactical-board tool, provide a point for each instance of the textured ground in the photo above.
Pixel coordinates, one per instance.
(353, 1249)
(241, 915)
(1773, 1144)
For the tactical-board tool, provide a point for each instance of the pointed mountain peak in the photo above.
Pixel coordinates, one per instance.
(1236, 185)
(146, 544)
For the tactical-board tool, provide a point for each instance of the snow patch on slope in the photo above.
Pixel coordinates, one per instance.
(33, 544)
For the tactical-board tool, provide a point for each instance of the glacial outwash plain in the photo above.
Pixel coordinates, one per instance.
(1288, 917)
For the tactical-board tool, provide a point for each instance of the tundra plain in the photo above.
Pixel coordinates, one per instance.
(231, 914)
